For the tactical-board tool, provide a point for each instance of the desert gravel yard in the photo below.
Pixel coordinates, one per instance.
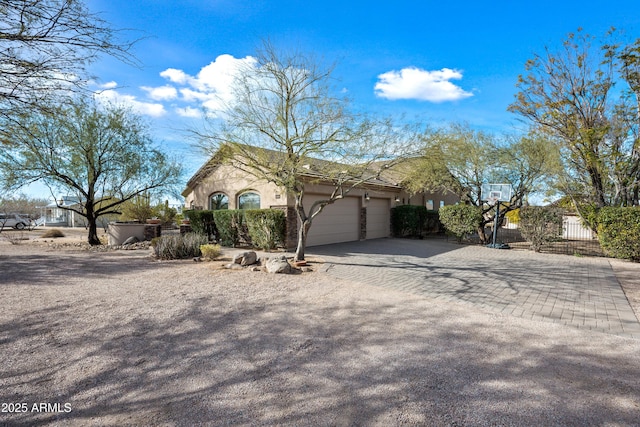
(115, 338)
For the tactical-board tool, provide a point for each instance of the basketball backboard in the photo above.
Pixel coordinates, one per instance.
(496, 193)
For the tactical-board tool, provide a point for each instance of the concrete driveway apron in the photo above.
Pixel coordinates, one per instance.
(578, 292)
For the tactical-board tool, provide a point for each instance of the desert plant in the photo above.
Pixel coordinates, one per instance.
(210, 251)
(137, 209)
(460, 220)
(52, 233)
(179, 246)
(15, 237)
(540, 225)
(165, 213)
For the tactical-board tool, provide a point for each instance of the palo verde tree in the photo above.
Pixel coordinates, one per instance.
(585, 97)
(460, 160)
(285, 105)
(101, 154)
(45, 48)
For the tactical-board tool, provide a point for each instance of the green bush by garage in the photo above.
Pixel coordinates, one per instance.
(619, 232)
(260, 228)
(414, 221)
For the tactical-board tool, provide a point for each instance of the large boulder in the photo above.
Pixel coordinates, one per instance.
(279, 265)
(245, 258)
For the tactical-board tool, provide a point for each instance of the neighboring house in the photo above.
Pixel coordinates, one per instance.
(573, 229)
(55, 215)
(363, 214)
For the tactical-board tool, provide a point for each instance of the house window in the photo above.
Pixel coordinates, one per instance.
(429, 205)
(249, 200)
(218, 201)
(441, 203)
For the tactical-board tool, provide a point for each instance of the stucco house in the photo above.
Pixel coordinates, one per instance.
(363, 214)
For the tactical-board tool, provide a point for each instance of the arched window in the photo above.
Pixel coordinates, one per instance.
(249, 200)
(218, 201)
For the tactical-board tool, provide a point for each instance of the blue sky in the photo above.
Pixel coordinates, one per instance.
(436, 61)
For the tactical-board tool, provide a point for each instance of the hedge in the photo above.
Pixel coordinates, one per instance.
(460, 220)
(619, 232)
(266, 227)
(202, 222)
(413, 221)
(260, 228)
(230, 223)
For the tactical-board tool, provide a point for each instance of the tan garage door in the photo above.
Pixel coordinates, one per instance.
(338, 222)
(377, 218)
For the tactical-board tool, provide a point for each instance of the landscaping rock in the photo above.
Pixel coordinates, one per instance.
(279, 265)
(233, 266)
(130, 241)
(245, 258)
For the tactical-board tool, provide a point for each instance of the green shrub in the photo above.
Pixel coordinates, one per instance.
(179, 246)
(413, 221)
(165, 213)
(203, 222)
(230, 225)
(53, 233)
(540, 225)
(210, 251)
(460, 220)
(619, 232)
(137, 209)
(266, 227)
(589, 214)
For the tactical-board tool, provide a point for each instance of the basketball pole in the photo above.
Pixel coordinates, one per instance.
(495, 224)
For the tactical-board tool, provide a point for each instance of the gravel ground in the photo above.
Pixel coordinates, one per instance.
(114, 338)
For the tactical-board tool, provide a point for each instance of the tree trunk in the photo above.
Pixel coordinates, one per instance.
(302, 240)
(93, 232)
(482, 235)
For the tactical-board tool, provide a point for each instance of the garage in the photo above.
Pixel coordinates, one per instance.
(338, 222)
(378, 211)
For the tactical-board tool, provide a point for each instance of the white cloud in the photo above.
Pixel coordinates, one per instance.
(189, 112)
(162, 93)
(144, 108)
(175, 76)
(211, 87)
(109, 85)
(414, 83)
(190, 95)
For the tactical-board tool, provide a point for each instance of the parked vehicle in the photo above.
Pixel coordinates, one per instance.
(13, 220)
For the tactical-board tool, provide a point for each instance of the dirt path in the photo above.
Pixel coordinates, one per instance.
(118, 339)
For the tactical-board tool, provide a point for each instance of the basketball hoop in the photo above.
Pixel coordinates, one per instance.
(493, 195)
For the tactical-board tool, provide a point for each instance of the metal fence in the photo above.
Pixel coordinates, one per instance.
(576, 239)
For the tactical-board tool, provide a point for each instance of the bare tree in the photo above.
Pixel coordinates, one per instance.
(45, 48)
(102, 155)
(285, 105)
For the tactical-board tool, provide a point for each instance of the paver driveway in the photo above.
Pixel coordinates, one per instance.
(580, 292)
